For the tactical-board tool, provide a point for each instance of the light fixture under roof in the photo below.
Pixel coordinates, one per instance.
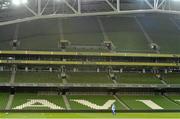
(24, 1)
(18, 2)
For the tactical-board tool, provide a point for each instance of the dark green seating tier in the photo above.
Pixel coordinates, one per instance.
(88, 77)
(137, 78)
(37, 77)
(171, 78)
(5, 76)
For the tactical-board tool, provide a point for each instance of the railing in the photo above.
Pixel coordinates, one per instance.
(80, 85)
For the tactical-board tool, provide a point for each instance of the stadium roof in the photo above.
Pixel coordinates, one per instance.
(15, 11)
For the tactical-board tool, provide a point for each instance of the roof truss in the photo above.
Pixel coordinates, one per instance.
(46, 9)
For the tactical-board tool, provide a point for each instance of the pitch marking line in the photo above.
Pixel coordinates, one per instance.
(89, 118)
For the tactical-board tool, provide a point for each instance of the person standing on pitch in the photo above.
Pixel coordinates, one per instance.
(113, 108)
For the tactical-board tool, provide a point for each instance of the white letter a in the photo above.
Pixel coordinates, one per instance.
(41, 103)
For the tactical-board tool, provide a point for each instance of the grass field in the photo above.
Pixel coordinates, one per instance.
(90, 115)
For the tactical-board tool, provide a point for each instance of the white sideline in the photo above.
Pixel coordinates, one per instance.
(89, 118)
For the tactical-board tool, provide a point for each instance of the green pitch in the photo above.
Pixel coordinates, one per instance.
(90, 115)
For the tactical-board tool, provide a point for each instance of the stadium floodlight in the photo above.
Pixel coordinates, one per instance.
(24, 1)
(59, 0)
(18, 2)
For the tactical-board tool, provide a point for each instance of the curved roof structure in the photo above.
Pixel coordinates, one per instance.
(42, 9)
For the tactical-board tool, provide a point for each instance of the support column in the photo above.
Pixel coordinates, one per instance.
(118, 5)
(79, 6)
(9, 103)
(15, 38)
(123, 104)
(13, 74)
(68, 107)
(39, 7)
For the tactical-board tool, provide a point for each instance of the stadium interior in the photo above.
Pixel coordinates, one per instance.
(91, 62)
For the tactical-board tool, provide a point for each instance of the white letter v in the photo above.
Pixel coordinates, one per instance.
(107, 105)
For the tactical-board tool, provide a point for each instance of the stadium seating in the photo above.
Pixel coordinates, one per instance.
(85, 35)
(176, 20)
(85, 31)
(137, 78)
(125, 34)
(6, 35)
(5, 76)
(174, 97)
(82, 31)
(39, 35)
(171, 78)
(162, 31)
(37, 77)
(3, 100)
(87, 49)
(41, 43)
(89, 102)
(88, 77)
(21, 99)
(85, 77)
(34, 101)
(135, 102)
